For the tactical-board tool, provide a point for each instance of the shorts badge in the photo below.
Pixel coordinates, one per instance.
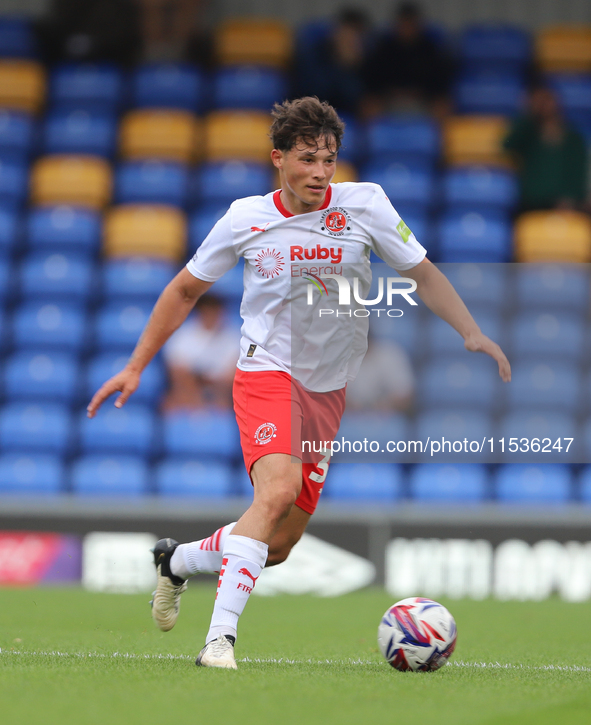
(265, 433)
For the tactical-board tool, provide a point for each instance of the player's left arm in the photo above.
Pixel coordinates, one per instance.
(438, 294)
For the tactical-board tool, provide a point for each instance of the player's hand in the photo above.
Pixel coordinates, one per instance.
(126, 382)
(482, 343)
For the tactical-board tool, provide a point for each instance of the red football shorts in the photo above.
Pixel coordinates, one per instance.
(276, 414)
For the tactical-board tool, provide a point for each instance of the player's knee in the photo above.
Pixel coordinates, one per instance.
(279, 501)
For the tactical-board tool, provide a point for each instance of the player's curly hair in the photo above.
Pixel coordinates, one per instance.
(305, 119)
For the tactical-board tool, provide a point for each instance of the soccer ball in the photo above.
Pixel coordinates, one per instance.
(417, 634)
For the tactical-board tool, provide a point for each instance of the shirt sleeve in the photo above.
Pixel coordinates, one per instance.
(391, 239)
(217, 255)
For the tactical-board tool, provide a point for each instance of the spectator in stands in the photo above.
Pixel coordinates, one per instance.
(551, 154)
(385, 382)
(201, 359)
(407, 71)
(332, 68)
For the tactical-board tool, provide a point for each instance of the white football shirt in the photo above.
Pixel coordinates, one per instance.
(283, 254)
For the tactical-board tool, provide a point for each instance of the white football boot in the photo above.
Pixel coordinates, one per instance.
(166, 600)
(218, 653)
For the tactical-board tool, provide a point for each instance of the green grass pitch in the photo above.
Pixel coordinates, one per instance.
(58, 664)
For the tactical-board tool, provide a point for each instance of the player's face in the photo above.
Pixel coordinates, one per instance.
(306, 171)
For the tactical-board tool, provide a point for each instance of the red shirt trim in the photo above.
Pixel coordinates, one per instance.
(283, 210)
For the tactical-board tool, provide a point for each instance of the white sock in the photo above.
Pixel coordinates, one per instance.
(200, 556)
(243, 561)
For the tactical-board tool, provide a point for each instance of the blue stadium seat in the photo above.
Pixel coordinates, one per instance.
(41, 376)
(544, 335)
(152, 182)
(461, 380)
(405, 140)
(14, 184)
(80, 132)
(412, 185)
(17, 135)
(43, 427)
(360, 482)
(210, 433)
(553, 385)
(191, 477)
(56, 276)
(64, 228)
(540, 424)
(17, 37)
(405, 331)
(50, 325)
(478, 187)
(489, 92)
(136, 278)
(202, 222)
(6, 281)
(96, 88)
(442, 339)
(31, 473)
(574, 91)
(454, 425)
(9, 232)
(127, 430)
(479, 284)
(432, 482)
(531, 484)
(474, 237)
(495, 47)
(118, 325)
(353, 146)
(585, 485)
(104, 366)
(552, 287)
(104, 475)
(220, 183)
(380, 427)
(170, 85)
(248, 87)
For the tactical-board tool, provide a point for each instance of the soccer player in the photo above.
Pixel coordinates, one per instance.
(307, 219)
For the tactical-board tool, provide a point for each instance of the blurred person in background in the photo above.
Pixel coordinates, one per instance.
(201, 359)
(551, 155)
(407, 72)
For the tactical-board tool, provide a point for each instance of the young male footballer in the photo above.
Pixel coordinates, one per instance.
(309, 220)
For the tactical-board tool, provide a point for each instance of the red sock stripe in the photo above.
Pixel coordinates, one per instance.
(218, 536)
(222, 570)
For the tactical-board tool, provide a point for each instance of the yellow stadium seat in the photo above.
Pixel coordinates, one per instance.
(255, 41)
(475, 140)
(564, 48)
(160, 134)
(553, 236)
(240, 135)
(77, 180)
(345, 172)
(145, 230)
(22, 85)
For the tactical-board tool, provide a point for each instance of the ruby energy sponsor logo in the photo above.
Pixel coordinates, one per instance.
(269, 263)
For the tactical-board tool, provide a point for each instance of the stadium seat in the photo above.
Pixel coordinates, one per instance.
(249, 87)
(41, 376)
(105, 365)
(403, 330)
(52, 325)
(35, 427)
(96, 88)
(6, 281)
(574, 92)
(104, 475)
(169, 85)
(364, 482)
(17, 136)
(202, 222)
(540, 424)
(432, 482)
(150, 231)
(405, 140)
(545, 384)
(495, 47)
(129, 430)
(17, 37)
(453, 424)
(412, 185)
(544, 336)
(552, 287)
(564, 48)
(152, 182)
(14, 182)
(345, 172)
(353, 146)
(64, 229)
(79, 132)
(553, 236)
(165, 134)
(489, 93)
(56, 276)
(479, 284)
(240, 135)
(257, 41)
(136, 278)
(204, 433)
(373, 426)
(530, 484)
(585, 485)
(474, 188)
(459, 381)
(31, 473)
(119, 325)
(220, 183)
(77, 180)
(9, 232)
(474, 237)
(22, 85)
(475, 140)
(194, 477)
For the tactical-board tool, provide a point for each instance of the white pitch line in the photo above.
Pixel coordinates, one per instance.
(288, 661)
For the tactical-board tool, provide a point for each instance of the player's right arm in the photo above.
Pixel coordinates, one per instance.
(169, 313)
